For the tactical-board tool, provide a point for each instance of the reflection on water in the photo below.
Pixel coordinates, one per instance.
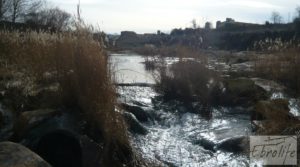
(174, 133)
(129, 68)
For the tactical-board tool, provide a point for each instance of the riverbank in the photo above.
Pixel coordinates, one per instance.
(58, 100)
(174, 133)
(57, 95)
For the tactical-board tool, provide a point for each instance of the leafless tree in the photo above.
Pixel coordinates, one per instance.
(52, 18)
(23, 7)
(208, 25)
(298, 12)
(16, 9)
(4, 8)
(276, 18)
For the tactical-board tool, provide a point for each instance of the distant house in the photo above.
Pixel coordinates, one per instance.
(220, 24)
(230, 20)
(130, 39)
(231, 24)
(128, 34)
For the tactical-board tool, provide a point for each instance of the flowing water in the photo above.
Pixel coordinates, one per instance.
(174, 131)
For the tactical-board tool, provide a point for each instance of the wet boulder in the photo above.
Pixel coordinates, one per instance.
(204, 110)
(134, 125)
(13, 154)
(92, 152)
(235, 145)
(64, 148)
(7, 122)
(138, 112)
(269, 85)
(241, 92)
(206, 144)
(60, 142)
(60, 149)
(30, 119)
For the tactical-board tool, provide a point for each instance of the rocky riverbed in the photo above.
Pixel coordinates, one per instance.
(172, 134)
(166, 133)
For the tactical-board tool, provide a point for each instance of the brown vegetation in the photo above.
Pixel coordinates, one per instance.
(188, 80)
(276, 117)
(282, 64)
(182, 52)
(78, 64)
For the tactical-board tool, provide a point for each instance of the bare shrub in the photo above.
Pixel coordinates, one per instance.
(189, 80)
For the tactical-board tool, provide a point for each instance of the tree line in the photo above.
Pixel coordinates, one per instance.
(276, 17)
(35, 13)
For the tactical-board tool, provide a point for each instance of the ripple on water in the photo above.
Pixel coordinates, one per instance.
(170, 137)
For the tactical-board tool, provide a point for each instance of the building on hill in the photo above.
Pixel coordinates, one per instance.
(220, 24)
(231, 24)
(229, 20)
(128, 34)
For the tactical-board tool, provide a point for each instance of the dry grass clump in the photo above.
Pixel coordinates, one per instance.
(276, 117)
(189, 80)
(79, 65)
(147, 50)
(150, 63)
(281, 65)
(182, 52)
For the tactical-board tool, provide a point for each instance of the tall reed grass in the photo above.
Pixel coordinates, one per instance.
(79, 64)
(281, 63)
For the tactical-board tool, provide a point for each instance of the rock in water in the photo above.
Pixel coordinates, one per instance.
(16, 155)
(242, 92)
(60, 149)
(138, 112)
(134, 125)
(7, 123)
(30, 119)
(206, 144)
(234, 145)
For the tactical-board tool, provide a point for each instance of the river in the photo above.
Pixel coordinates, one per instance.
(176, 135)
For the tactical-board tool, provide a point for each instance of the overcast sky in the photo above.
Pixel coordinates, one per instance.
(146, 16)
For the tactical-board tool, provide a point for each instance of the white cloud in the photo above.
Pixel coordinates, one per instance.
(254, 4)
(151, 15)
